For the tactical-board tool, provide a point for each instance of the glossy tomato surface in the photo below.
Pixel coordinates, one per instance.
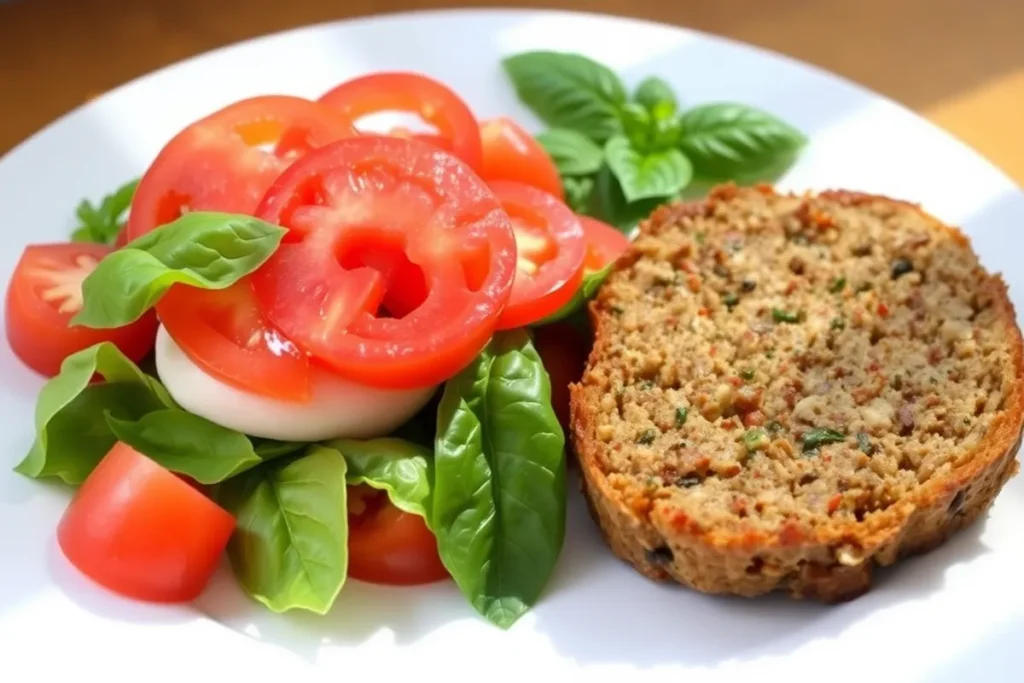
(139, 530)
(387, 545)
(412, 93)
(604, 243)
(551, 249)
(45, 292)
(397, 262)
(511, 153)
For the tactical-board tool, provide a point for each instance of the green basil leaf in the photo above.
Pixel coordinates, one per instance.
(729, 141)
(188, 444)
(657, 174)
(201, 249)
(608, 203)
(102, 224)
(592, 281)
(572, 152)
(290, 546)
(499, 479)
(578, 193)
(569, 91)
(403, 469)
(654, 94)
(268, 449)
(72, 435)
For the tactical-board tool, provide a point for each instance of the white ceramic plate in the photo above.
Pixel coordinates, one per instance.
(957, 611)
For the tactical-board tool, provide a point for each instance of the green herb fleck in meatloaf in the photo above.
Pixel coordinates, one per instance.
(785, 389)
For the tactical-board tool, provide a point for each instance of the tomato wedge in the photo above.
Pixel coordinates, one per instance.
(138, 530)
(412, 93)
(510, 153)
(221, 162)
(396, 263)
(551, 249)
(225, 333)
(45, 292)
(604, 243)
(387, 545)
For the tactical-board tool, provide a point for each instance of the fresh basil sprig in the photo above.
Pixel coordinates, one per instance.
(499, 479)
(648, 147)
(209, 250)
(103, 223)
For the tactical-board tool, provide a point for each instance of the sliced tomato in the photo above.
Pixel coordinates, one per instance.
(138, 530)
(45, 292)
(510, 153)
(387, 545)
(396, 263)
(225, 333)
(550, 247)
(412, 93)
(563, 349)
(227, 160)
(604, 243)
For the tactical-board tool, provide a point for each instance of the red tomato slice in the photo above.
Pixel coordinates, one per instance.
(45, 292)
(604, 243)
(221, 162)
(137, 529)
(225, 333)
(396, 265)
(387, 545)
(550, 247)
(412, 93)
(510, 153)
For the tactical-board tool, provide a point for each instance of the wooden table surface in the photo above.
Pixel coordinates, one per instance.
(960, 63)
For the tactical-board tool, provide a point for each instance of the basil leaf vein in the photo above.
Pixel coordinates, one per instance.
(643, 176)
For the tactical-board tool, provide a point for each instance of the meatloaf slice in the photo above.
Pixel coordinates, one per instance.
(787, 390)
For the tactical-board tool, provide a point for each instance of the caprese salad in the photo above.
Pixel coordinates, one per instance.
(335, 352)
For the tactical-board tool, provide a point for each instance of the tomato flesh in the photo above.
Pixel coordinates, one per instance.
(396, 263)
(387, 545)
(140, 531)
(550, 251)
(45, 292)
(604, 243)
(413, 93)
(227, 160)
(511, 153)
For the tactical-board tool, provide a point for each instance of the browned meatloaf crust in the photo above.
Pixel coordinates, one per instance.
(785, 391)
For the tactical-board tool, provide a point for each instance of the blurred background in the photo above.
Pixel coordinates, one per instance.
(959, 63)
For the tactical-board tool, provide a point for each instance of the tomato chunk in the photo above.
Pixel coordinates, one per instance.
(139, 530)
(550, 247)
(387, 545)
(45, 292)
(412, 93)
(604, 243)
(227, 160)
(396, 264)
(510, 153)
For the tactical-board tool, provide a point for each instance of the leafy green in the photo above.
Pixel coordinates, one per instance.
(592, 281)
(573, 153)
(186, 443)
(569, 91)
(72, 434)
(578, 193)
(403, 469)
(820, 436)
(201, 249)
(103, 223)
(654, 175)
(736, 141)
(499, 484)
(654, 93)
(290, 546)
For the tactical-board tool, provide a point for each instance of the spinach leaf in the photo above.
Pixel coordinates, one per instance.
(573, 153)
(186, 443)
(499, 483)
(729, 141)
(592, 281)
(644, 176)
(569, 91)
(201, 249)
(72, 435)
(103, 223)
(403, 469)
(268, 449)
(290, 546)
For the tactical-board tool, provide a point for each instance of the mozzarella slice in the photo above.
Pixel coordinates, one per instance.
(338, 409)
